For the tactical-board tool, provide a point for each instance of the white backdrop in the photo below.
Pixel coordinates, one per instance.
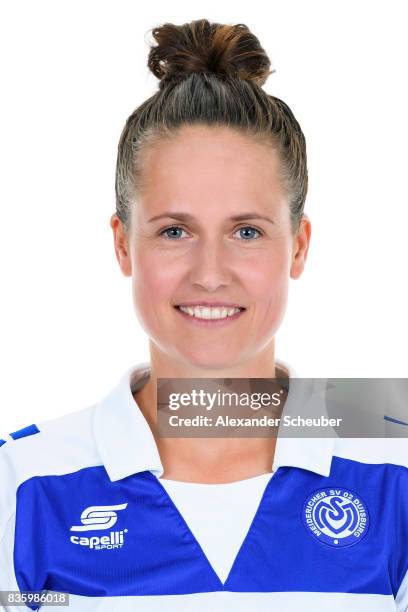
(72, 72)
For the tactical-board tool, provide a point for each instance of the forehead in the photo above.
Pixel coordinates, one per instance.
(205, 164)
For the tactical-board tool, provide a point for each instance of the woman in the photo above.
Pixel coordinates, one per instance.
(211, 184)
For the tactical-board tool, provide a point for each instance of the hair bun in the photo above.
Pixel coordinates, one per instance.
(201, 46)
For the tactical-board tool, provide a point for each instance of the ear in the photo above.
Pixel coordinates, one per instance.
(121, 243)
(300, 247)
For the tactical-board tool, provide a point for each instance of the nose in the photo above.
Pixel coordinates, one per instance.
(209, 266)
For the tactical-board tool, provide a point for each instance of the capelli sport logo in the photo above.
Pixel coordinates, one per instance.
(96, 518)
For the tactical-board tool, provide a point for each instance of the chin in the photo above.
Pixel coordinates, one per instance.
(211, 360)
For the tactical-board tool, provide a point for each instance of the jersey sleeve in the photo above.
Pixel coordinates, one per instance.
(7, 576)
(401, 600)
(7, 525)
(401, 518)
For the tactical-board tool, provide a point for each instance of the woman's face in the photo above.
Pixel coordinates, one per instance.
(186, 244)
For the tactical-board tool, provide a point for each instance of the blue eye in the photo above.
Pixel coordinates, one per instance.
(176, 228)
(172, 229)
(246, 228)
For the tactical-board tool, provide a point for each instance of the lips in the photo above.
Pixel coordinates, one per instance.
(206, 304)
(210, 323)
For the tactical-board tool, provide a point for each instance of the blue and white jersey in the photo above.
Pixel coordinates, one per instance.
(83, 511)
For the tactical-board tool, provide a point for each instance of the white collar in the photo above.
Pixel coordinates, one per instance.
(126, 444)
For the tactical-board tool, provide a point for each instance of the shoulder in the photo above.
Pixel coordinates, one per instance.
(375, 451)
(55, 446)
(380, 467)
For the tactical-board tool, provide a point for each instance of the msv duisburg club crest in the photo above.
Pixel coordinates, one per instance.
(336, 516)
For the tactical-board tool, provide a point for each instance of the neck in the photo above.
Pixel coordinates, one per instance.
(208, 460)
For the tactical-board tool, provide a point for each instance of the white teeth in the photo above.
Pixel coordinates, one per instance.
(203, 312)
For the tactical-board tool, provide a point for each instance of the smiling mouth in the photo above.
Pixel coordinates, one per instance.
(211, 313)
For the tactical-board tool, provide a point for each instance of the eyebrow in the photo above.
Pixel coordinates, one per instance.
(180, 216)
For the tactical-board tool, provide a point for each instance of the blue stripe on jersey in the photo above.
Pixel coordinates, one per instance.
(2, 441)
(64, 543)
(392, 420)
(25, 431)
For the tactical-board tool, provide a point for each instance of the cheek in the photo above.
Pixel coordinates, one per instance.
(154, 281)
(268, 278)
(267, 285)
